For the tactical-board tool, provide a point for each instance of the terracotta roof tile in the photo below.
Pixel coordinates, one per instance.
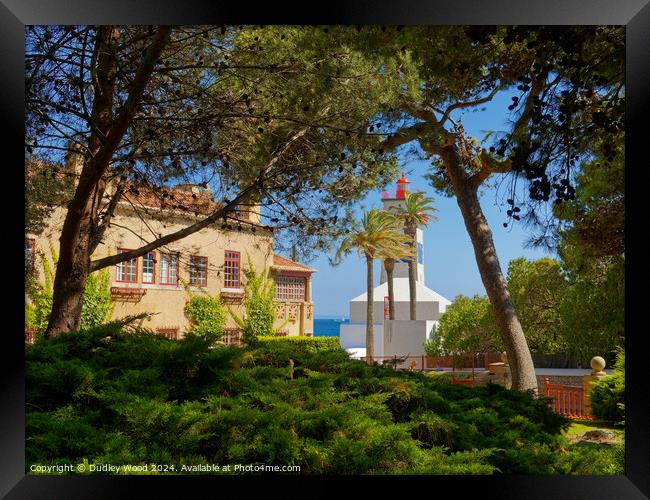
(284, 264)
(168, 198)
(160, 197)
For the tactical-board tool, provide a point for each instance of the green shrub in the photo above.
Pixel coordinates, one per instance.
(317, 353)
(591, 459)
(207, 315)
(97, 302)
(608, 394)
(304, 345)
(117, 396)
(259, 304)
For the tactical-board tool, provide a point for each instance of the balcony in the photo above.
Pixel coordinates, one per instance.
(127, 294)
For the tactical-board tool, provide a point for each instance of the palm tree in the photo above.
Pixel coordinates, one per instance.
(415, 212)
(376, 234)
(390, 255)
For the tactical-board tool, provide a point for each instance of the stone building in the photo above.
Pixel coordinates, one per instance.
(213, 260)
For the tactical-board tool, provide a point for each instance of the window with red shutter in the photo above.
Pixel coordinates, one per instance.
(127, 271)
(169, 269)
(198, 271)
(231, 268)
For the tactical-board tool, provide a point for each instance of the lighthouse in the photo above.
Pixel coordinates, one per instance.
(394, 203)
(402, 336)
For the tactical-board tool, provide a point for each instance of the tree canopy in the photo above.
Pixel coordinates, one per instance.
(467, 326)
(305, 120)
(561, 313)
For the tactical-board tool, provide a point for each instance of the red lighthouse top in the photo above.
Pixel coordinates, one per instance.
(402, 187)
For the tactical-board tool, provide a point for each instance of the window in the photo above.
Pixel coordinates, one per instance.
(169, 269)
(30, 253)
(127, 271)
(289, 288)
(231, 269)
(149, 267)
(198, 271)
(420, 251)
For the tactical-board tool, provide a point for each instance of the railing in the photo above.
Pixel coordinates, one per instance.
(400, 362)
(127, 294)
(456, 381)
(170, 332)
(566, 400)
(427, 363)
(233, 336)
(477, 360)
(30, 335)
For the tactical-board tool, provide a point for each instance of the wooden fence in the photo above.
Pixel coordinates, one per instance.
(566, 400)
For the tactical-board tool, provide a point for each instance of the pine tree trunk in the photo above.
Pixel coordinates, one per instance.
(77, 240)
(73, 266)
(519, 357)
(72, 271)
(389, 265)
(412, 263)
(370, 338)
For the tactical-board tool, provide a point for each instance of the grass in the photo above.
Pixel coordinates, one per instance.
(580, 427)
(596, 458)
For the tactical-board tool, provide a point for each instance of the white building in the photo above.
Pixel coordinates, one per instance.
(396, 337)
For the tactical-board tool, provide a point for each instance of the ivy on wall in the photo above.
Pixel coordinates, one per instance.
(97, 302)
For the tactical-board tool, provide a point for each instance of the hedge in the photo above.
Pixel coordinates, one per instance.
(304, 344)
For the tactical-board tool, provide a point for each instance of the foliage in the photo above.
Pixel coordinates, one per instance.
(305, 345)
(537, 288)
(417, 211)
(311, 350)
(467, 325)
(376, 234)
(608, 393)
(108, 396)
(97, 301)
(561, 312)
(43, 191)
(259, 305)
(596, 218)
(592, 249)
(207, 315)
(591, 459)
(593, 313)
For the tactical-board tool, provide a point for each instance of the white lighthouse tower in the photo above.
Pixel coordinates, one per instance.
(394, 204)
(401, 336)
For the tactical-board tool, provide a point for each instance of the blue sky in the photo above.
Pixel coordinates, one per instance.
(450, 266)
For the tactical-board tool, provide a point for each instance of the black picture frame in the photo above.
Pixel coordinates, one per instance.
(634, 14)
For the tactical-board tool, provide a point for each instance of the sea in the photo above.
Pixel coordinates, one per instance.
(328, 327)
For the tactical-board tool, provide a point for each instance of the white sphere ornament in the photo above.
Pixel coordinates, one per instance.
(597, 364)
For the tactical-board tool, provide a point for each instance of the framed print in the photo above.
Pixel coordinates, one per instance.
(376, 242)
